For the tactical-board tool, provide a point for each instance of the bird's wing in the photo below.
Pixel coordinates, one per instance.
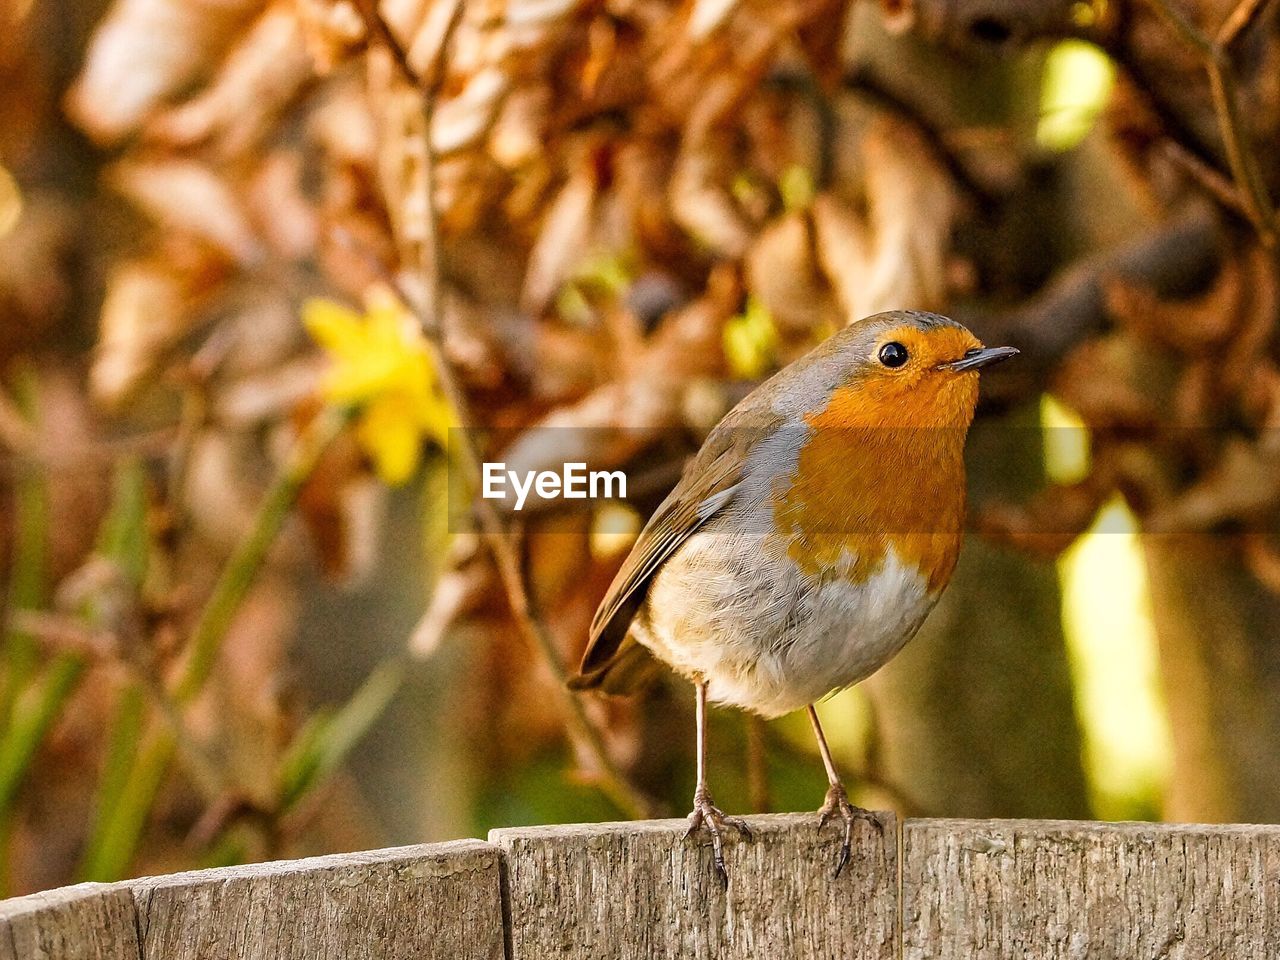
(708, 484)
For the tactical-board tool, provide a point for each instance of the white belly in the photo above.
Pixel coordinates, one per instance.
(768, 638)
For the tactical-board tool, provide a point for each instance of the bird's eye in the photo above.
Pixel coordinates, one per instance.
(893, 354)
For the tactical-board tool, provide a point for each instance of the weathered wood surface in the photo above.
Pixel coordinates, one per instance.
(936, 890)
(92, 921)
(435, 901)
(1064, 890)
(639, 890)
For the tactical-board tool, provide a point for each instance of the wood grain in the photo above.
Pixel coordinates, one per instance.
(970, 890)
(1061, 890)
(435, 901)
(639, 890)
(92, 921)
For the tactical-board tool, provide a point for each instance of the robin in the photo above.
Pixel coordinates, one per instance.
(807, 540)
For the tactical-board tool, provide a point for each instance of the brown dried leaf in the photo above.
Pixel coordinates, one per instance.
(342, 506)
(517, 137)
(262, 398)
(331, 29)
(467, 579)
(144, 52)
(707, 15)
(429, 35)
(186, 196)
(34, 284)
(537, 13)
(287, 220)
(897, 257)
(783, 273)
(260, 77)
(1097, 381)
(700, 199)
(146, 311)
(1244, 482)
(562, 242)
(844, 252)
(461, 121)
(912, 206)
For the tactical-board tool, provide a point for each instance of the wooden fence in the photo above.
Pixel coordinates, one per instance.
(919, 890)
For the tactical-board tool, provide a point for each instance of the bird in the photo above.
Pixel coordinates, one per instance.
(806, 541)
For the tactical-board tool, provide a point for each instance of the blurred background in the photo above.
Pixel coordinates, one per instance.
(260, 261)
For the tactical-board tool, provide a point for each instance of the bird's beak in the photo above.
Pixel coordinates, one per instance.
(980, 357)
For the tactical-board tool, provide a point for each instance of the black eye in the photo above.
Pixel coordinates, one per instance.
(893, 354)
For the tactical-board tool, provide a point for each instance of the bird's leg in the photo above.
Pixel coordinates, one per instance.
(837, 801)
(705, 813)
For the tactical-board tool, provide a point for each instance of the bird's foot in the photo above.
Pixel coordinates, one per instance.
(707, 814)
(837, 804)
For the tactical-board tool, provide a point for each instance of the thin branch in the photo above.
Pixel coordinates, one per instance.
(1239, 21)
(1207, 175)
(1187, 30)
(1174, 260)
(194, 414)
(429, 309)
(1240, 154)
(378, 29)
(1216, 58)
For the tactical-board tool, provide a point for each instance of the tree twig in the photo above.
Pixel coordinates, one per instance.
(429, 309)
(1239, 21)
(1215, 55)
(1206, 174)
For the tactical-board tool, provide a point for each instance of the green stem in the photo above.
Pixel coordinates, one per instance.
(239, 573)
(322, 746)
(28, 707)
(124, 816)
(122, 752)
(27, 582)
(112, 849)
(34, 713)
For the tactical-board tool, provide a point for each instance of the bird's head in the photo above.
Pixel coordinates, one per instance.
(907, 369)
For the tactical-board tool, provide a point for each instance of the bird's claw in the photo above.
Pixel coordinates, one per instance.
(705, 813)
(837, 802)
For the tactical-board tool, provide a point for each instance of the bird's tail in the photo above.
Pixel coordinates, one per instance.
(630, 670)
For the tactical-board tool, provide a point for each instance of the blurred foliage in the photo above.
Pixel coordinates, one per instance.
(258, 262)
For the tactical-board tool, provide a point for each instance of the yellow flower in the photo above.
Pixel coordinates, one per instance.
(381, 364)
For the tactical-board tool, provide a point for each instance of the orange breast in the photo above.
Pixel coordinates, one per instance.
(864, 483)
